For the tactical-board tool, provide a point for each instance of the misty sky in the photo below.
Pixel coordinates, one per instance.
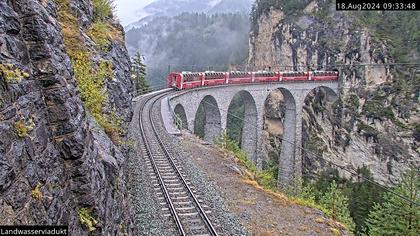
(127, 10)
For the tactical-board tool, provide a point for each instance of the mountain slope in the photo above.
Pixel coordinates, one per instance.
(190, 39)
(375, 121)
(176, 7)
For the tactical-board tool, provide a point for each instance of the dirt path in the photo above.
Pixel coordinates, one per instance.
(261, 212)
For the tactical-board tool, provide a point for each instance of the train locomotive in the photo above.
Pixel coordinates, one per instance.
(188, 80)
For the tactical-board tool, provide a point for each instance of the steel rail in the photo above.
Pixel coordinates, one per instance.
(149, 153)
(167, 154)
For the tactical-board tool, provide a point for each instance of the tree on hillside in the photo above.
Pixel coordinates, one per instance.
(362, 194)
(337, 203)
(138, 73)
(397, 216)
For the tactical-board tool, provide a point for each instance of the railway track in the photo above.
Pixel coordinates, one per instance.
(175, 194)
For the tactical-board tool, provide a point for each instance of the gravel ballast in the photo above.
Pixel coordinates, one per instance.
(148, 215)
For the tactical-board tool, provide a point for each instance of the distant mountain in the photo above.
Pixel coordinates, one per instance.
(195, 40)
(176, 7)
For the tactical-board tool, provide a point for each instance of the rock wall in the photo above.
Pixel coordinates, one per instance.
(375, 121)
(57, 165)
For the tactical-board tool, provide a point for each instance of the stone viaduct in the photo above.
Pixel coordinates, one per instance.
(216, 101)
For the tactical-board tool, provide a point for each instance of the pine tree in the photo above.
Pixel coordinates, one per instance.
(335, 201)
(363, 194)
(397, 216)
(138, 73)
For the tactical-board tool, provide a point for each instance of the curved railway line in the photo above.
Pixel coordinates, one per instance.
(175, 195)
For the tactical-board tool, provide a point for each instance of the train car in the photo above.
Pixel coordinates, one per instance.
(175, 80)
(295, 76)
(323, 75)
(239, 77)
(214, 78)
(192, 80)
(266, 76)
(188, 80)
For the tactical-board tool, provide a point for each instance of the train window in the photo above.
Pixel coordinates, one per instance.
(189, 77)
(214, 75)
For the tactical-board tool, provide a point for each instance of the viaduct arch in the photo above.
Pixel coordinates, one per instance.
(216, 101)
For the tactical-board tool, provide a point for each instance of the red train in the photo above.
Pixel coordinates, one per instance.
(188, 80)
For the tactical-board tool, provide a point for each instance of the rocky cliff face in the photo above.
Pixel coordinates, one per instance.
(375, 122)
(57, 165)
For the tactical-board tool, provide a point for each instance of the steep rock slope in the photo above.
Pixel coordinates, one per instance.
(375, 122)
(57, 165)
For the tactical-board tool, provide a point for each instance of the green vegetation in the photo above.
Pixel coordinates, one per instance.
(200, 121)
(99, 34)
(12, 74)
(235, 123)
(368, 131)
(91, 76)
(103, 9)
(21, 129)
(315, 144)
(36, 192)
(223, 141)
(91, 82)
(353, 101)
(102, 33)
(376, 110)
(268, 176)
(69, 28)
(191, 41)
(358, 196)
(138, 74)
(288, 7)
(332, 201)
(398, 30)
(396, 216)
(337, 203)
(362, 194)
(416, 132)
(178, 121)
(86, 219)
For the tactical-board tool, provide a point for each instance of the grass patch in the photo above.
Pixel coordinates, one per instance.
(36, 192)
(266, 180)
(91, 82)
(11, 74)
(22, 127)
(69, 28)
(90, 76)
(86, 219)
(223, 141)
(102, 33)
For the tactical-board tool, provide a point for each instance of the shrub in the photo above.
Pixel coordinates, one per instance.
(86, 219)
(376, 110)
(223, 141)
(103, 9)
